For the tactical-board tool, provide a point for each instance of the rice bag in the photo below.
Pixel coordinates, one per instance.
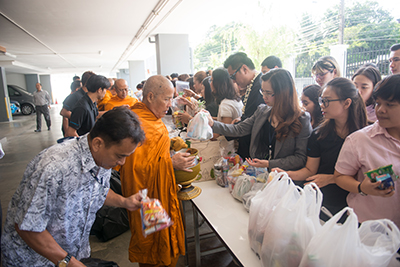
(154, 217)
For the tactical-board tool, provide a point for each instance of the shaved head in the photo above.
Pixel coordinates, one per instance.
(156, 84)
(111, 80)
(158, 93)
(122, 88)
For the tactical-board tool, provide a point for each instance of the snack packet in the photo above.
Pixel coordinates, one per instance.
(154, 217)
(384, 174)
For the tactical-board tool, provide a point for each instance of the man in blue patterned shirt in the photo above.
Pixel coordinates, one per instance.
(51, 213)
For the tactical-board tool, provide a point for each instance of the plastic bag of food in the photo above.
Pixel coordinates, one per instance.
(154, 216)
(243, 184)
(246, 198)
(198, 127)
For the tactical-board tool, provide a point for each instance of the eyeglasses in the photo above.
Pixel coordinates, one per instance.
(124, 90)
(325, 102)
(267, 93)
(233, 76)
(321, 75)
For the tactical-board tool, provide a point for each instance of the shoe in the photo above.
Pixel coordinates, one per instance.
(48, 129)
(38, 131)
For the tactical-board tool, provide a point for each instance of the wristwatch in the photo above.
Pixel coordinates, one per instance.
(64, 262)
(361, 192)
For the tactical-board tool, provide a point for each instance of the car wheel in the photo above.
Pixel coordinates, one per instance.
(26, 109)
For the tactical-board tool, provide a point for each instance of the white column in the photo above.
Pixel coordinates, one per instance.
(173, 54)
(339, 52)
(137, 73)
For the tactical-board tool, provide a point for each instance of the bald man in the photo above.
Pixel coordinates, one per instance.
(121, 98)
(109, 93)
(151, 167)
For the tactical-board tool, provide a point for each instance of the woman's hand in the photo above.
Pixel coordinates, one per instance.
(258, 162)
(190, 93)
(278, 170)
(321, 179)
(370, 188)
(184, 117)
(210, 119)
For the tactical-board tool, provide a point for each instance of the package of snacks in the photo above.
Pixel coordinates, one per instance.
(154, 217)
(384, 174)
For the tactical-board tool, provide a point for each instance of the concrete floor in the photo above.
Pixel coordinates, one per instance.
(21, 144)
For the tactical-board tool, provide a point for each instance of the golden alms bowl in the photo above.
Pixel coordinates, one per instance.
(183, 177)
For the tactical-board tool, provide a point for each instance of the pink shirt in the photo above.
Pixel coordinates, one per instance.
(367, 149)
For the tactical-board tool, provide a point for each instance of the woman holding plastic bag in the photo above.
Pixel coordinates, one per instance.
(279, 130)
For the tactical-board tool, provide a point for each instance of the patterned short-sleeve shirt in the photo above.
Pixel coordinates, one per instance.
(61, 191)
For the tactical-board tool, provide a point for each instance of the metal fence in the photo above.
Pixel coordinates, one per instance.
(359, 56)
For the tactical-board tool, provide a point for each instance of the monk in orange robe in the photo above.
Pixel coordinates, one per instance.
(122, 98)
(109, 93)
(152, 167)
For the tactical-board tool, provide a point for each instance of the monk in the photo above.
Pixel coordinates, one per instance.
(151, 167)
(122, 98)
(109, 93)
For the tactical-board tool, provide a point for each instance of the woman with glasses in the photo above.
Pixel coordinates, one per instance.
(279, 130)
(309, 99)
(325, 69)
(374, 146)
(344, 113)
(365, 80)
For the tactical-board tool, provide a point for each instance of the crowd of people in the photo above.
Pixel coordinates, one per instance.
(332, 134)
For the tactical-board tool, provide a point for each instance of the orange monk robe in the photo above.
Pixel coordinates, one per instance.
(150, 166)
(102, 103)
(116, 101)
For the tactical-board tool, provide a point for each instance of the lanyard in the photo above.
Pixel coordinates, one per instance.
(271, 135)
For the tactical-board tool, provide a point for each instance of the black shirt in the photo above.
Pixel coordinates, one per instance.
(327, 150)
(84, 115)
(71, 100)
(253, 101)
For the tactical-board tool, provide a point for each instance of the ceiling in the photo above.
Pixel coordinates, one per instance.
(58, 36)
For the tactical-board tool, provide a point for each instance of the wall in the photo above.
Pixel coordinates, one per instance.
(16, 79)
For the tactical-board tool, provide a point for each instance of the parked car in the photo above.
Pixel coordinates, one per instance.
(23, 97)
(15, 107)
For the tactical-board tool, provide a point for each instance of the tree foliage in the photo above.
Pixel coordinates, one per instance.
(367, 26)
(223, 41)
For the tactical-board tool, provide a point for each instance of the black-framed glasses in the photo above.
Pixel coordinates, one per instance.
(325, 101)
(321, 75)
(267, 93)
(233, 76)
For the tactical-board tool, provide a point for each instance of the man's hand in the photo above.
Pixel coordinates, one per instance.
(183, 161)
(132, 203)
(370, 188)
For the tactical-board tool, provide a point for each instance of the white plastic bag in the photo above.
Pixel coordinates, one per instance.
(291, 226)
(335, 245)
(243, 184)
(198, 127)
(263, 204)
(251, 194)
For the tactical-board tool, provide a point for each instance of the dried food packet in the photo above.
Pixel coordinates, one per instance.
(154, 216)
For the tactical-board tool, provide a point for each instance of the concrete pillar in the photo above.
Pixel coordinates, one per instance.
(46, 85)
(5, 110)
(173, 54)
(137, 72)
(339, 52)
(31, 81)
(124, 74)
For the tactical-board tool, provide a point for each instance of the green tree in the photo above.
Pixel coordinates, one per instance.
(222, 41)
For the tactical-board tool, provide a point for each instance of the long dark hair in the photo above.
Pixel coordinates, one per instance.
(313, 92)
(373, 75)
(357, 118)
(223, 84)
(208, 95)
(286, 108)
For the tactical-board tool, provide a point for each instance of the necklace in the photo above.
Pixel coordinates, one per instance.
(248, 91)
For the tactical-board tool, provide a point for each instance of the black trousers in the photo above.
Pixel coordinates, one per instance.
(45, 111)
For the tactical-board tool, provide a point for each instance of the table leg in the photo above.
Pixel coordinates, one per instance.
(196, 237)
